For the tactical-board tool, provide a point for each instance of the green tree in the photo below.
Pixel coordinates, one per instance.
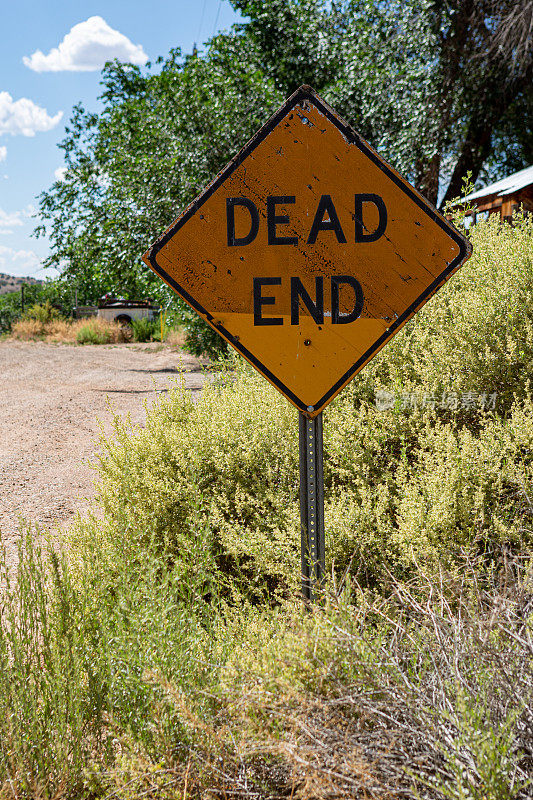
(437, 86)
(440, 87)
(161, 136)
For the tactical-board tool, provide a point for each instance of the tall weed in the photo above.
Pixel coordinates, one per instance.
(100, 331)
(427, 693)
(144, 329)
(52, 695)
(80, 645)
(83, 331)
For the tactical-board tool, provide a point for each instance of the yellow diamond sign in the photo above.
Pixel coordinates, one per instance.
(308, 252)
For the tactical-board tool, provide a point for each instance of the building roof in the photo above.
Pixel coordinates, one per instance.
(506, 186)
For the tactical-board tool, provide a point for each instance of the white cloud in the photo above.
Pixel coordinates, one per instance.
(60, 173)
(14, 219)
(87, 47)
(8, 221)
(3, 153)
(24, 116)
(18, 262)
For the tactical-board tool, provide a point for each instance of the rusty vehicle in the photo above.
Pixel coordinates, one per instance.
(125, 311)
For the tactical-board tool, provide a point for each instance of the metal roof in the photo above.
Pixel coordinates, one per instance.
(506, 186)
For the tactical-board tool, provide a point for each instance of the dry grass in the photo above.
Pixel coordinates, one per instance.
(67, 330)
(175, 338)
(441, 706)
(93, 331)
(100, 331)
(427, 695)
(27, 329)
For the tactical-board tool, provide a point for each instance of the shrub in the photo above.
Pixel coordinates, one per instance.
(145, 329)
(89, 331)
(100, 331)
(42, 313)
(400, 488)
(57, 294)
(404, 485)
(194, 458)
(174, 337)
(125, 675)
(200, 338)
(8, 315)
(476, 334)
(37, 322)
(425, 694)
(27, 329)
(80, 646)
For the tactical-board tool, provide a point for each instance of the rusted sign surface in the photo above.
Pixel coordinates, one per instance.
(308, 252)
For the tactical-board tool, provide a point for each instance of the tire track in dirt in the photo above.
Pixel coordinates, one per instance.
(53, 397)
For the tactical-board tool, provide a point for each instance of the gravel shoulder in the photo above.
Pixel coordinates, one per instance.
(54, 398)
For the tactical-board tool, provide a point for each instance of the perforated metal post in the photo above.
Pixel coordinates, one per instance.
(312, 505)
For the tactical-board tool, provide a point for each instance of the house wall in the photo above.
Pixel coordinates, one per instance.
(506, 205)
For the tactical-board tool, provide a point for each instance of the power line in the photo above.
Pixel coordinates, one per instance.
(216, 18)
(32, 274)
(201, 22)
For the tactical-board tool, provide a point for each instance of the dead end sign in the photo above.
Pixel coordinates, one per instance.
(308, 252)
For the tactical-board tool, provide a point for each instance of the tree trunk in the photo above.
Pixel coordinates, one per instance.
(494, 100)
(475, 149)
(428, 185)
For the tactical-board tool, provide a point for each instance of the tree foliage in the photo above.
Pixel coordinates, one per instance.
(160, 137)
(54, 294)
(439, 87)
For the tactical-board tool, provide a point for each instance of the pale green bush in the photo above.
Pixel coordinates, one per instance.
(230, 458)
(476, 334)
(400, 488)
(454, 490)
(403, 485)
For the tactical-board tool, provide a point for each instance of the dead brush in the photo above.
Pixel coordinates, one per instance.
(27, 329)
(100, 331)
(175, 337)
(82, 331)
(61, 330)
(425, 695)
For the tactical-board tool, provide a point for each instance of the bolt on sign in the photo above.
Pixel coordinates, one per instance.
(308, 252)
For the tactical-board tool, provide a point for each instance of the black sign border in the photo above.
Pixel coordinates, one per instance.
(307, 94)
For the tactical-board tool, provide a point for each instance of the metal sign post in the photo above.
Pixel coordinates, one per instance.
(312, 505)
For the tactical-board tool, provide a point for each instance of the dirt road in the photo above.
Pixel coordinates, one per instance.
(52, 397)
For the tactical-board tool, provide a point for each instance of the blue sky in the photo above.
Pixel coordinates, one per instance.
(50, 59)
